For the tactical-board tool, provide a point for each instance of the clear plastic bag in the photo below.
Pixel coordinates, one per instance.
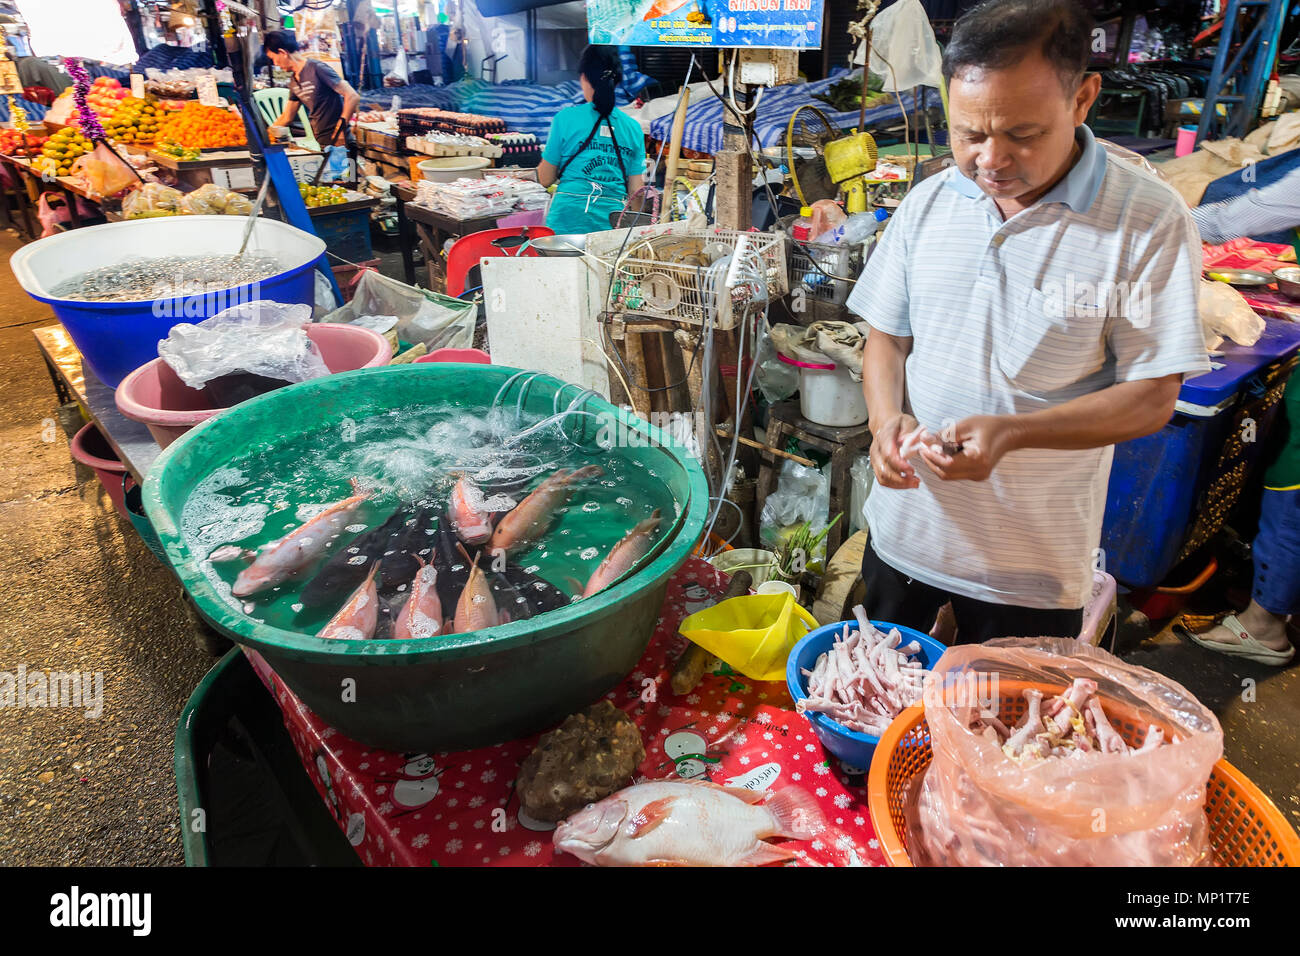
(422, 317)
(802, 495)
(260, 338)
(863, 478)
(904, 52)
(150, 200)
(208, 200)
(776, 380)
(978, 807)
(1224, 311)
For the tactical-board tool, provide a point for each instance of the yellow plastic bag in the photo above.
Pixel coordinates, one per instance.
(753, 633)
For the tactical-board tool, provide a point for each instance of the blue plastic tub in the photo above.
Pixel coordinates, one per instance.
(115, 338)
(853, 748)
(1162, 486)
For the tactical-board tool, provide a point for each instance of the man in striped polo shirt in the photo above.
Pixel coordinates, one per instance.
(1033, 305)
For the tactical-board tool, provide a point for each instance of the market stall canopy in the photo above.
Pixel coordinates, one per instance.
(90, 29)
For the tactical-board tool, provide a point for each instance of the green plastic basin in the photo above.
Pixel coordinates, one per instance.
(457, 691)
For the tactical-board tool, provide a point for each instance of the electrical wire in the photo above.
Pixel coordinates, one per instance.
(731, 90)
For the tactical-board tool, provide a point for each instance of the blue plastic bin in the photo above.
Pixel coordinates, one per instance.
(1170, 491)
(116, 338)
(853, 748)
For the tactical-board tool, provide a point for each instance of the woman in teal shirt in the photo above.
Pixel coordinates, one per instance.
(594, 152)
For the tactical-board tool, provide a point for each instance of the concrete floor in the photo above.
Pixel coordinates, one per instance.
(81, 592)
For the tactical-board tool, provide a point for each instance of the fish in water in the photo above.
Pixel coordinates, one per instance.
(347, 567)
(472, 524)
(290, 555)
(477, 608)
(356, 620)
(527, 522)
(680, 823)
(633, 547)
(421, 616)
(406, 550)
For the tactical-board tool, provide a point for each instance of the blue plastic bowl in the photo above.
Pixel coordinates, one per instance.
(116, 338)
(852, 747)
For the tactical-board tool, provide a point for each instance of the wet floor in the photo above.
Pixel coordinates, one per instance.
(80, 592)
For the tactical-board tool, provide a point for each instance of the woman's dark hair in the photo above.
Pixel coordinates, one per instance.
(999, 33)
(600, 65)
(280, 41)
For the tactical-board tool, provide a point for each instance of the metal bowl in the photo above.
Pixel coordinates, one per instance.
(1288, 281)
(1245, 278)
(572, 244)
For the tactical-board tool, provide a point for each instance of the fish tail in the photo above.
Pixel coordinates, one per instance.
(795, 814)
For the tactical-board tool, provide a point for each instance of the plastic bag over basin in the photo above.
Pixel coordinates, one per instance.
(977, 806)
(261, 338)
(437, 321)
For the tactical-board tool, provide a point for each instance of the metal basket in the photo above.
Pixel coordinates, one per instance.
(683, 278)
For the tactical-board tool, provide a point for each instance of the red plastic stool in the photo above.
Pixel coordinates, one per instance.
(466, 251)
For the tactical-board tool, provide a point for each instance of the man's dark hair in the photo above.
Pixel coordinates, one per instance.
(280, 41)
(999, 33)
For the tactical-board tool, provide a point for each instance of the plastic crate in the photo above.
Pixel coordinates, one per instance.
(346, 232)
(1246, 828)
(824, 271)
(1170, 492)
(652, 280)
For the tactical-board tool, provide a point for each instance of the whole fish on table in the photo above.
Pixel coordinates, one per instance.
(528, 521)
(356, 620)
(681, 823)
(275, 563)
(634, 546)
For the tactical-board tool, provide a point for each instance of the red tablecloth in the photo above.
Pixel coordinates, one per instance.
(1264, 256)
(459, 809)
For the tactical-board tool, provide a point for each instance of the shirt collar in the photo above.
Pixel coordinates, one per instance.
(1077, 189)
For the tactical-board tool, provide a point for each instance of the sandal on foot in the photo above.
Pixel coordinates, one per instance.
(1248, 647)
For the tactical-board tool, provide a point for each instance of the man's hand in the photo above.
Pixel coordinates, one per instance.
(891, 470)
(984, 439)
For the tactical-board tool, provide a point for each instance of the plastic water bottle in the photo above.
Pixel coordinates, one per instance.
(851, 231)
(801, 229)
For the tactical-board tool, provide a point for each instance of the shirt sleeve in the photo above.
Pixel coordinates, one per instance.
(325, 74)
(553, 151)
(1157, 327)
(1270, 208)
(880, 294)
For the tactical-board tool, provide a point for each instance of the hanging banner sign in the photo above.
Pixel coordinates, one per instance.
(784, 24)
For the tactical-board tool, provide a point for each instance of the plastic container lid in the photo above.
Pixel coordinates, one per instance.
(805, 212)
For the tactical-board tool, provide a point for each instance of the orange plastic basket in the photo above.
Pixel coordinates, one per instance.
(1246, 829)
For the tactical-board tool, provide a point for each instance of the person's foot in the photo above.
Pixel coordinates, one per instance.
(1268, 629)
(1266, 645)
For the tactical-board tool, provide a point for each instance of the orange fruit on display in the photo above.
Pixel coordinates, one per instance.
(203, 127)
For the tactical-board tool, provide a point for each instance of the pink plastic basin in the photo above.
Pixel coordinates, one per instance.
(155, 395)
(91, 448)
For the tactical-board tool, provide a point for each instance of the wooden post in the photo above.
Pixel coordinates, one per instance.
(674, 155)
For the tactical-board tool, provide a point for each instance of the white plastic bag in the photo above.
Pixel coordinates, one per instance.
(902, 38)
(1225, 311)
(421, 318)
(802, 494)
(262, 338)
(776, 380)
(863, 478)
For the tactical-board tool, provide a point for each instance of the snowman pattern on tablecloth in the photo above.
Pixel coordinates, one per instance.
(415, 785)
(689, 751)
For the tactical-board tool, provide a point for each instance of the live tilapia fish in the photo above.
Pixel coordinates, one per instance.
(275, 563)
(680, 823)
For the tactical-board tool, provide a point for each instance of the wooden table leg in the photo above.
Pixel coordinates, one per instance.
(405, 237)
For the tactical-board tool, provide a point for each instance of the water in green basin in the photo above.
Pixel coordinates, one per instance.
(408, 457)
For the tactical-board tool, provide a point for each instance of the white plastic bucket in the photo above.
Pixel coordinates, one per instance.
(828, 395)
(447, 169)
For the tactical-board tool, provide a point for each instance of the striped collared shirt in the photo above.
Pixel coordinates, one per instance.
(1093, 285)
